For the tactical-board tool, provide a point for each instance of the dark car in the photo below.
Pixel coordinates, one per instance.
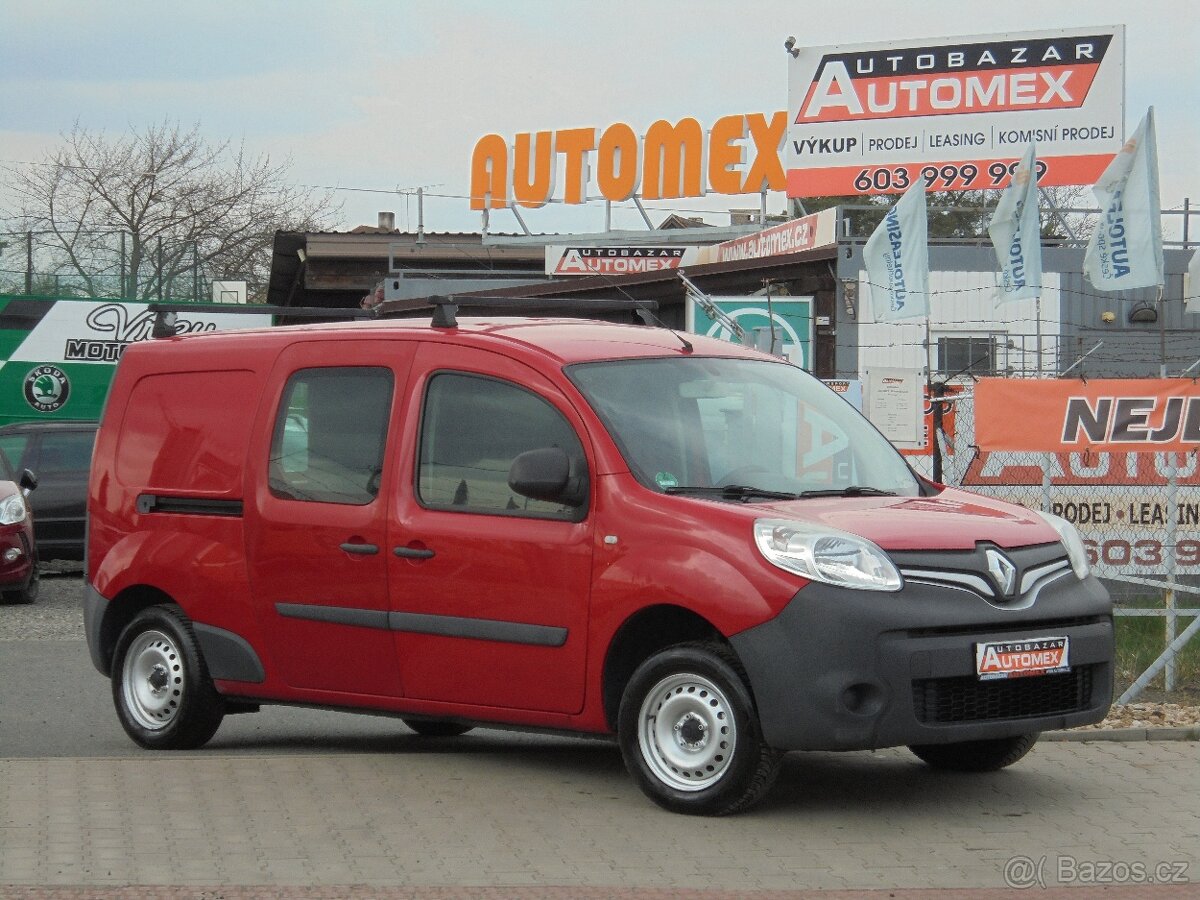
(18, 559)
(59, 453)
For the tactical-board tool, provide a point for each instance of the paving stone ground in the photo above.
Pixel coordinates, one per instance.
(456, 823)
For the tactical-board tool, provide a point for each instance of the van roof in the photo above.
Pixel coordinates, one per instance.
(563, 339)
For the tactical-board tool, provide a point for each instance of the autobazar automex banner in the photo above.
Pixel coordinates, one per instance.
(872, 118)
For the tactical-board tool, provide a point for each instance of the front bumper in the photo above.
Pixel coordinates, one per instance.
(841, 669)
(16, 573)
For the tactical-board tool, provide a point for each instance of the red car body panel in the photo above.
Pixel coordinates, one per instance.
(633, 550)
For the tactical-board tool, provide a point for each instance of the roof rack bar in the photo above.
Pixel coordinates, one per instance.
(445, 308)
(262, 309)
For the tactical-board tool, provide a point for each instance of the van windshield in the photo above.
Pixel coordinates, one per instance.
(740, 428)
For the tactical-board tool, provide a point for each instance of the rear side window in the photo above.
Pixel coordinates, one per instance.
(472, 429)
(329, 436)
(66, 453)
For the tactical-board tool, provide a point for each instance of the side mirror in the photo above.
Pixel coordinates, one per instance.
(545, 474)
(28, 481)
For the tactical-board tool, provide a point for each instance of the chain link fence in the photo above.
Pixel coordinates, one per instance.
(108, 264)
(1139, 516)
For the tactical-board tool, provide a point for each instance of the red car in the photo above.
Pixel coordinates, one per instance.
(18, 558)
(566, 525)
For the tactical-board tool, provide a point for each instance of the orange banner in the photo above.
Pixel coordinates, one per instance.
(1123, 415)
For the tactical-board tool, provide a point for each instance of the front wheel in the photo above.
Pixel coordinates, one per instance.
(976, 756)
(690, 735)
(28, 593)
(164, 696)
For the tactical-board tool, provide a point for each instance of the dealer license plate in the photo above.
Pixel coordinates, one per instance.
(1017, 659)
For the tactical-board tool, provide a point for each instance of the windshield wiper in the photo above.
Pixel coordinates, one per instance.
(731, 492)
(854, 490)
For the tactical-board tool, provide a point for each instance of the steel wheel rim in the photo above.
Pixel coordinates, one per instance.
(686, 732)
(152, 680)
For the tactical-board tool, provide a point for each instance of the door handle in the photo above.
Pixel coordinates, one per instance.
(413, 552)
(360, 549)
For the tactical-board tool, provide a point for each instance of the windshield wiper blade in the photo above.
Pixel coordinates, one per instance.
(854, 490)
(731, 492)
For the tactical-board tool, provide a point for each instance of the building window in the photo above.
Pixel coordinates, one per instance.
(974, 354)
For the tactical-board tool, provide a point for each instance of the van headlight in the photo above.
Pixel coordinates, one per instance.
(825, 554)
(1069, 535)
(12, 510)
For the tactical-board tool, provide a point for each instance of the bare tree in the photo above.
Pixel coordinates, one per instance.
(137, 212)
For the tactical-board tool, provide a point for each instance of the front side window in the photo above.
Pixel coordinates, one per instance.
(329, 436)
(712, 423)
(472, 429)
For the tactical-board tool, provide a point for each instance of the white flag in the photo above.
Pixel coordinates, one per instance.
(1017, 235)
(1192, 294)
(897, 259)
(1126, 248)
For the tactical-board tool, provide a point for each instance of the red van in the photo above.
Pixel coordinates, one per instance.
(574, 526)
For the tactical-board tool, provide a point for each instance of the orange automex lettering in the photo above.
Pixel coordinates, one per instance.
(617, 172)
(672, 160)
(768, 138)
(489, 173)
(533, 173)
(575, 144)
(725, 157)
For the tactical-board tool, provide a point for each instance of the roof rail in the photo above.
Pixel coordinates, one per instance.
(445, 308)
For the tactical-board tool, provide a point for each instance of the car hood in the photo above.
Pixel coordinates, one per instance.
(952, 520)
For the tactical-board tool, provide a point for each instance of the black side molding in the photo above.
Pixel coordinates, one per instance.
(424, 623)
(188, 506)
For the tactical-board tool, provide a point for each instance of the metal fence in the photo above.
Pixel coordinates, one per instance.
(106, 264)
(1139, 515)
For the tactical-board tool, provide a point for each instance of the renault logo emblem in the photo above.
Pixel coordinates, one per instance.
(1003, 571)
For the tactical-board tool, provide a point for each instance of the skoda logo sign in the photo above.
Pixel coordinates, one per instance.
(47, 388)
(1003, 571)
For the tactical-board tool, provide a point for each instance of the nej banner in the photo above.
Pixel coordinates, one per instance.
(1126, 415)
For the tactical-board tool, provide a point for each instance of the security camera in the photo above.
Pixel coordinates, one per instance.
(790, 46)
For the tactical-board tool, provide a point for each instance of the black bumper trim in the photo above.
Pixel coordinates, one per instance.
(835, 670)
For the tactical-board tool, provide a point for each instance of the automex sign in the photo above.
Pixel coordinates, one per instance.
(738, 155)
(616, 260)
(872, 118)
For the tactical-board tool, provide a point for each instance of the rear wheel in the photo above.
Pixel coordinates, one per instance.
(690, 735)
(164, 696)
(976, 756)
(436, 727)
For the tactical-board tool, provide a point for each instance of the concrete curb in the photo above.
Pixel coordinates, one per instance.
(1190, 733)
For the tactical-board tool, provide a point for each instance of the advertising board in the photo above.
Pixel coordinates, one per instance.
(873, 118)
(791, 318)
(58, 356)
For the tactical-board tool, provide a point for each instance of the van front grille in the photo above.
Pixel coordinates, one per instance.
(942, 701)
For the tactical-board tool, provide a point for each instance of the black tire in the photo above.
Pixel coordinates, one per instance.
(705, 755)
(164, 696)
(436, 727)
(28, 593)
(976, 756)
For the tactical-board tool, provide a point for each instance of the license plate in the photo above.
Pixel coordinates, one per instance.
(1018, 659)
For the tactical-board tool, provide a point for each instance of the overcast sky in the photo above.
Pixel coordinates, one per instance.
(379, 95)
